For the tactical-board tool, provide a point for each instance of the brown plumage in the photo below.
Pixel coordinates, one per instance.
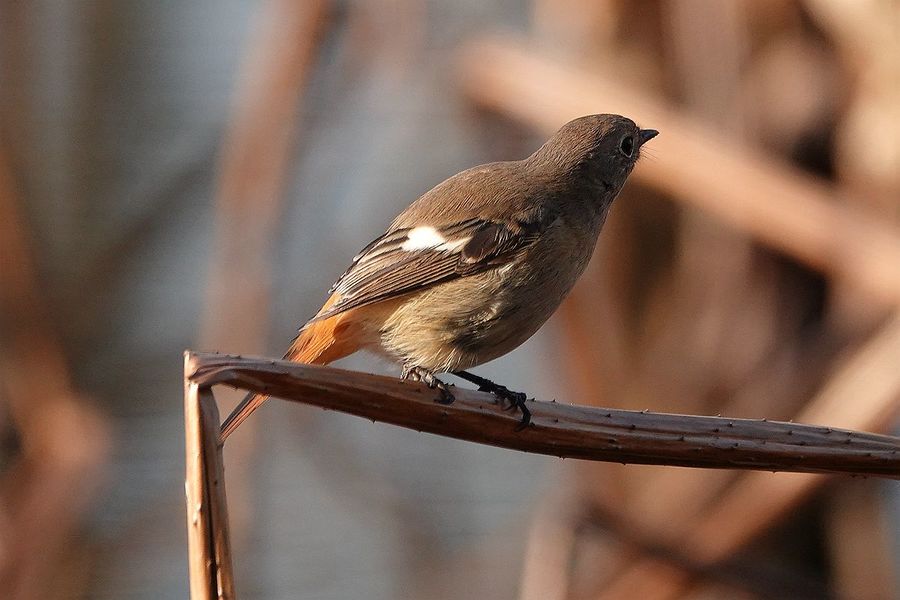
(476, 265)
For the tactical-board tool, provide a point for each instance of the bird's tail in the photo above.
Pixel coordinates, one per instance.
(317, 343)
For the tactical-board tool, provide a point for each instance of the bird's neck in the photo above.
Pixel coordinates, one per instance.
(584, 198)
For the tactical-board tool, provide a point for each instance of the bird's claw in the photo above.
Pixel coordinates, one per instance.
(445, 396)
(515, 400)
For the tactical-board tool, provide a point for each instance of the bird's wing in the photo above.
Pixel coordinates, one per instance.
(411, 259)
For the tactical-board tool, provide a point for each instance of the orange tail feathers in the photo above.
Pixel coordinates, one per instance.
(318, 343)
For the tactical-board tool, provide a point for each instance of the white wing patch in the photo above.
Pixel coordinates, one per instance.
(428, 238)
(421, 238)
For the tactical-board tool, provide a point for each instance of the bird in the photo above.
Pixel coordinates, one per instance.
(475, 266)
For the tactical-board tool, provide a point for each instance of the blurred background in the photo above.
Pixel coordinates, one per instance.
(195, 175)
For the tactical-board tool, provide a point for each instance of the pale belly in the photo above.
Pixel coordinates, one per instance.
(469, 321)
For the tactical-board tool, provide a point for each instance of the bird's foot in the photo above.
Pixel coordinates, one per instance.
(422, 374)
(515, 399)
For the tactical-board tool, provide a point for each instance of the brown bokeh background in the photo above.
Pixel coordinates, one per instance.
(196, 174)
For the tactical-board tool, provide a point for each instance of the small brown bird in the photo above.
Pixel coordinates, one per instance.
(476, 265)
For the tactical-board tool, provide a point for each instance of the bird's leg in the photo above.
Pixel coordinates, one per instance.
(422, 374)
(515, 399)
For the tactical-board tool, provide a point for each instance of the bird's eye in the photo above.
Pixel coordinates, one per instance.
(626, 146)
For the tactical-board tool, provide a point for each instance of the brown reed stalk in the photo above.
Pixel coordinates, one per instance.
(209, 547)
(564, 430)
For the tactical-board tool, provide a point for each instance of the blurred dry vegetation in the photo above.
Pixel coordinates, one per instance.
(197, 175)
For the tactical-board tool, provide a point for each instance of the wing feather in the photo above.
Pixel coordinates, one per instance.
(389, 267)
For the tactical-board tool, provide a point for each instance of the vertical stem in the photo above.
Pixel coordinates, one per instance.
(209, 544)
(214, 480)
(201, 564)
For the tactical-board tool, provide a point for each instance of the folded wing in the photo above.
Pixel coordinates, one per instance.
(407, 260)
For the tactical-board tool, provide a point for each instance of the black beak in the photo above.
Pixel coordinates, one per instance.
(645, 135)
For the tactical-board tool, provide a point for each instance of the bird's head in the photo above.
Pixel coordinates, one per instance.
(597, 150)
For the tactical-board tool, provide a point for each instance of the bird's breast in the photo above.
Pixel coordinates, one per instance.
(472, 320)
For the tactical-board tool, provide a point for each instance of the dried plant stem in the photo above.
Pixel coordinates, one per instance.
(201, 564)
(557, 429)
(560, 429)
(209, 550)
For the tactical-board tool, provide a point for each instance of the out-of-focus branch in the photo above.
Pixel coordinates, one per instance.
(779, 206)
(253, 168)
(254, 161)
(563, 430)
(64, 442)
